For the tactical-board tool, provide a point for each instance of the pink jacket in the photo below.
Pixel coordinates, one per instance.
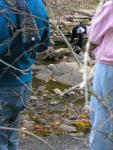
(101, 33)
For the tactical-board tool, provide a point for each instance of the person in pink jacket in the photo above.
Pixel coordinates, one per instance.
(101, 34)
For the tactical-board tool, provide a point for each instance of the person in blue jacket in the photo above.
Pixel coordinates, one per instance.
(24, 31)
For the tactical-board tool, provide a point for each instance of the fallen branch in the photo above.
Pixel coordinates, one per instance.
(29, 133)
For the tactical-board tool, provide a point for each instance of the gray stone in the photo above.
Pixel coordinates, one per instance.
(28, 124)
(58, 92)
(64, 72)
(68, 122)
(67, 128)
(33, 98)
(53, 103)
(37, 67)
(44, 74)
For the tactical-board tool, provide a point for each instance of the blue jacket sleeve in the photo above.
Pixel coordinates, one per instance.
(42, 21)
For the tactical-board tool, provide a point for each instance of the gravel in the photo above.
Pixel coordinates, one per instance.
(59, 143)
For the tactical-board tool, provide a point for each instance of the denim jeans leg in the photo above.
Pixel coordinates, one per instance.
(3, 132)
(102, 123)
(3, 140)
(12, 102)
(13, 139)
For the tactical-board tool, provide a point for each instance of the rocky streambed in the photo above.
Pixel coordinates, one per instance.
(60, 120)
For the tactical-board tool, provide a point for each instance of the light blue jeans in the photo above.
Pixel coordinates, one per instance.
(12, 102)
(101, 136)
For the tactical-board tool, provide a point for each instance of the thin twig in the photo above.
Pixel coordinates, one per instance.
(28, 133)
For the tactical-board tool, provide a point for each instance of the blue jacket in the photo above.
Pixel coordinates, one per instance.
(20, 57)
